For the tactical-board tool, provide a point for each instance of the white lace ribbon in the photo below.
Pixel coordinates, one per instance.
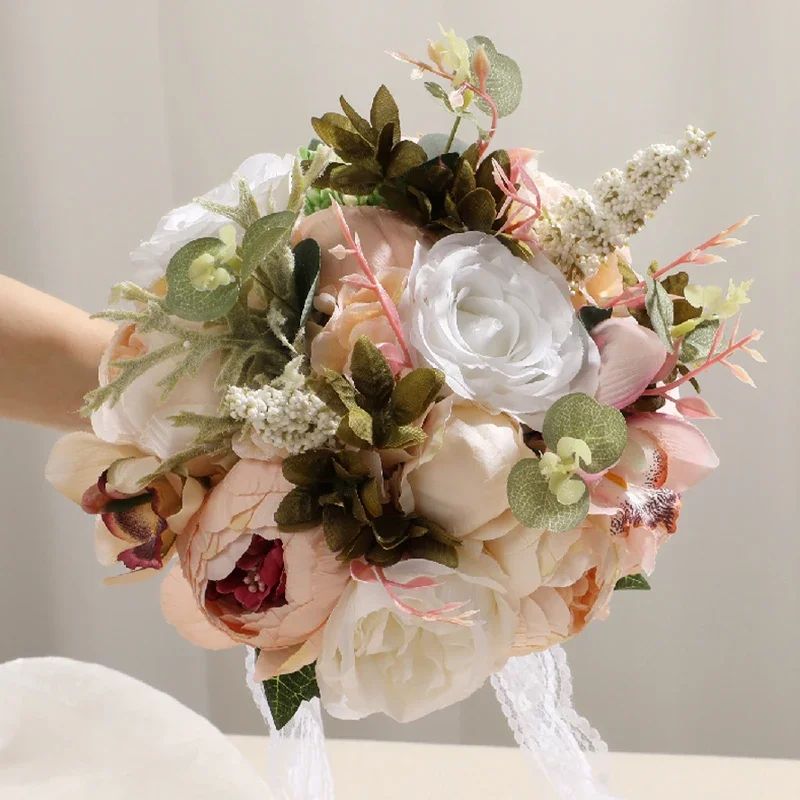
(560, 746)
(535, 694)
(298, 767)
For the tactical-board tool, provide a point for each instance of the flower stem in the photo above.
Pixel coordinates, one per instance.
(452, 135)
(389, 308)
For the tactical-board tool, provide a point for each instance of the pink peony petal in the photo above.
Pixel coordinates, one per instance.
(690, 456)
(630, 357)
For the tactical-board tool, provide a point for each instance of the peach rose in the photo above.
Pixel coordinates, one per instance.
(386, 239)
(252, 583)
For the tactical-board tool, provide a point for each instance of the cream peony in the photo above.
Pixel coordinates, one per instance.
(267, 175)
(459, 478)
(378, 658)
(140, 417)
(503, 331)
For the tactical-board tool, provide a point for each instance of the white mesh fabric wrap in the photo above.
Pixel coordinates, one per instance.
(561, 747)
(298, 762)
(535, 694)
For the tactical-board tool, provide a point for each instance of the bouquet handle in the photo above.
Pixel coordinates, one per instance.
(298, 766)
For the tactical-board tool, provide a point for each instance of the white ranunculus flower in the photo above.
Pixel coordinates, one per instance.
(140, 417)
(267, 175)
(376, 657)
(502, 330)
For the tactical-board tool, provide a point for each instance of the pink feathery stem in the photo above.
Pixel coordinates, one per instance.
(690, 257)
(709, 362)
(389, 308)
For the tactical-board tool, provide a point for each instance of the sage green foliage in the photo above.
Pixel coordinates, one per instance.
(285, 693)
(264, 237)
(638, 582)
(183, 299)
(579, 416)
(576, 416)
(376, 412)
(341, 491)
(504, 84)
(697, 344)
(659, 309)
(534, 505)
(244, 214)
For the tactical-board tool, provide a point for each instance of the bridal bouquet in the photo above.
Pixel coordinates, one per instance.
(394, 410)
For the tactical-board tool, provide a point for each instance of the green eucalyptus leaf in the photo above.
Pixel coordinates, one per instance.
(434, 144)
(579, 416)
(263, 237)
(285, 693)
(638, 582)
(697, 344)
(414, 393)
(478, 210)
(183, 299)
(299, 510)
(659, 308)
(504, 84)
(372, 375)
(535, 506)
(433, 550)
(384, 111)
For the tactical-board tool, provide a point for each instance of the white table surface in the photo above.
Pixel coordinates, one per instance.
(398, 770)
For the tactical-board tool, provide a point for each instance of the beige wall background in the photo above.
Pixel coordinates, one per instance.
(114, 112)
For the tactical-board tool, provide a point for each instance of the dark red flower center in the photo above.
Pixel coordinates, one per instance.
(258, 581)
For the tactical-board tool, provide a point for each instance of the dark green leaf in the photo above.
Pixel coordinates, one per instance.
(360, 125)
(192, 304)
(414, 393)
(356, 428)
(380, 557)
(405, 156)
(306, 469)
(307, 263)
(484, 177)
(353, 179)
(337, 131)
(299, 510)
(384, 111)
(391, 530)
(592, 316)
(478, 210)
(433, 550)
(341, 528)
(632, 582)
(372, 375)
(285, 693)
(404, 436)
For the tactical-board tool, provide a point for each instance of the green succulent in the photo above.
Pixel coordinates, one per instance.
(341, 491)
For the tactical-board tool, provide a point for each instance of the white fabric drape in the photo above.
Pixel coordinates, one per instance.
(114, 112)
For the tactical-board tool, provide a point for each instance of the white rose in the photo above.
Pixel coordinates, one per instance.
(376, 657)
(459, 478)
(267, 175)
(140, 417)
(503, 331)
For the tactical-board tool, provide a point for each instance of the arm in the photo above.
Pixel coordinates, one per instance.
(49, 354)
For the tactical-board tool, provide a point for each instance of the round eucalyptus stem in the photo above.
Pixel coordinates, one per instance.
(452, 137)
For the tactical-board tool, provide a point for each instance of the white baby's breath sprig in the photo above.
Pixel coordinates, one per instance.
(286, 414)
(579, 231)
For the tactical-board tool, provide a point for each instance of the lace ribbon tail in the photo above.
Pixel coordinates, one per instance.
(561, 747)
(298, 767)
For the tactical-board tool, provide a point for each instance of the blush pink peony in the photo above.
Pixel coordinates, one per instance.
(252, 583)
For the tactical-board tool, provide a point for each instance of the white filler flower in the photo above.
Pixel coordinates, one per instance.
(502, 330)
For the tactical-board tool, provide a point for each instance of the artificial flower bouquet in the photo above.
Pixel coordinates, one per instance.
(392, 410)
